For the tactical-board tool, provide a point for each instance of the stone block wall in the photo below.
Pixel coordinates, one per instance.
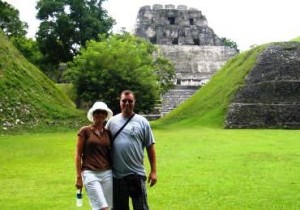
(175, 26)
(270, 97)
(195, 65)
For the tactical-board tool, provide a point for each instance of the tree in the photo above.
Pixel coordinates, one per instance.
(229, 43)
(15, 30)
(29, 48)
(66, 25)
(123, 61)
(10, 22)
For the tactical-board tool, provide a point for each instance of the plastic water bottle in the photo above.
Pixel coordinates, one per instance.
(79, 201)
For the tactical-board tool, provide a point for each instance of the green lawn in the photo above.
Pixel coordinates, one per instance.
(198, 168)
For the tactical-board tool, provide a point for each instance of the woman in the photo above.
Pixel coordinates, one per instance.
(92, 159)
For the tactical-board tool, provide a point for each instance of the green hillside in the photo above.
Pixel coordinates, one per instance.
(208, 106)
(296, 39)
(27, 97)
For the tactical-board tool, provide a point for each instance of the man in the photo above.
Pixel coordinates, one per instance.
(128, 155)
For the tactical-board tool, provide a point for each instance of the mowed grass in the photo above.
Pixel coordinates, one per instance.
(198, 168)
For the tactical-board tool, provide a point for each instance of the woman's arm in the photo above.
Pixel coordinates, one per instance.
(78, 161)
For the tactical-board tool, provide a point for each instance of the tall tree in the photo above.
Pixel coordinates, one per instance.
(66, 25)
(104, 68)
(10, 22)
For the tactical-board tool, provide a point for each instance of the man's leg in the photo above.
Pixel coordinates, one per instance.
(139, 201)
(120, 195)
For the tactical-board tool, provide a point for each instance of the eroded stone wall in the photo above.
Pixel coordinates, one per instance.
(270, 97)
(175, 26)
(195, 65)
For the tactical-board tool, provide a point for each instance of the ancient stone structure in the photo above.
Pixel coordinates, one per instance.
(184, 37)
(171, 26)
(270, 97)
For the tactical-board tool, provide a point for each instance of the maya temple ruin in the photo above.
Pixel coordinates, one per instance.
(184, 37)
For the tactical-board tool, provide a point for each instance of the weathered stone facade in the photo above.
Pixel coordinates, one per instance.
(270, 97)
(175, 26)
(184, 37)
(195, 65)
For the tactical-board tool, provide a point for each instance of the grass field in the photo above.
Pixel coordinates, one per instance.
(198, 168)
(200, 165)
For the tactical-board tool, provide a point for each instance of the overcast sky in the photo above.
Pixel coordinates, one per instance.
(247, 22)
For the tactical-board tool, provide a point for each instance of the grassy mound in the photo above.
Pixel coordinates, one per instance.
(296, 39)
(208, 106)
(28, 97)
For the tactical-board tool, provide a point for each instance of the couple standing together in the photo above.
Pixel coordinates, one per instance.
(112, 176)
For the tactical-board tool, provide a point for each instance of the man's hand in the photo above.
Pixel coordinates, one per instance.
(152, 179)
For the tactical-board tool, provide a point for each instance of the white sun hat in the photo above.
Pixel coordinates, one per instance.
(99, 105)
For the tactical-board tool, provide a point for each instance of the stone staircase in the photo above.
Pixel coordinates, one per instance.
(175, 97)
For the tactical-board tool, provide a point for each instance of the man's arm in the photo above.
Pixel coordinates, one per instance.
(152, 179)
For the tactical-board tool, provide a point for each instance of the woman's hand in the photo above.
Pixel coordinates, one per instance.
(78, 183)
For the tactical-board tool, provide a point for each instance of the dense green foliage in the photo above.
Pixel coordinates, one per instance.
(230, 43)
(29, 49)
(28, 97)
(208, 169)
(105, 68)
(67, 24)
(10, 22)
(208, 106)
